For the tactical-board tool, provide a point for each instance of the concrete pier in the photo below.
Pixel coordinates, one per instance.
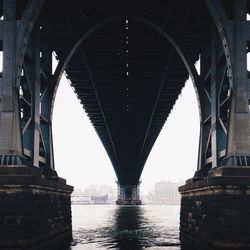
(215, 210)
(35, 212)
(128, 194)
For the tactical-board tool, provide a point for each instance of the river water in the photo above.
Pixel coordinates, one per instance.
(103, 227)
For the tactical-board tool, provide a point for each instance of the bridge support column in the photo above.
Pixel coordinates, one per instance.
(35, 211)
(215, 203)
(128, 194)
(215, 210)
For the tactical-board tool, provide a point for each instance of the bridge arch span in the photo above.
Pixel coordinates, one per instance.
(189, 66)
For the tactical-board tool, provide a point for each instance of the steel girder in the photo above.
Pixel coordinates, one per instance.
(215, 99)
(26, 89)
(225, 128)
(36, 94)
(149, 137)
(15, 32)
(36, 89)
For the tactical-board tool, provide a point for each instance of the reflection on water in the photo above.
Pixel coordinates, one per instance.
(125, 227)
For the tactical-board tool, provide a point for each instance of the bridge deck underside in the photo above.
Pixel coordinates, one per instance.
(126, 74)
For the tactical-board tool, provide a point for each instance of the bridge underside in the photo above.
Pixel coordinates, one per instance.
(126, 71)
(128, 65)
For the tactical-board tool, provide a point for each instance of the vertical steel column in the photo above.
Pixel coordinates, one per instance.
(36, 96)
(35, 100)
(215, 98)
(205, 116)
(26, 90)
(30, 99)
(10, 131)
(234, 34)
(46, 101)
(14, 100)
(214, 104)
(238, 151)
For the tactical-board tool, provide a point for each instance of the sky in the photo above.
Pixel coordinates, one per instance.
(81, 158)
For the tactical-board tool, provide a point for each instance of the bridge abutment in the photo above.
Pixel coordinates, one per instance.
(35, 212)
(215, 204)
(128, 194)
(215, 210)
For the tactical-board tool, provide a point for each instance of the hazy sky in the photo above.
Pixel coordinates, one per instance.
(82, 160)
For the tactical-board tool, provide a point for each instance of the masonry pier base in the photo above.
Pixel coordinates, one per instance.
(35, 212)
(215, 210)
(128, 194)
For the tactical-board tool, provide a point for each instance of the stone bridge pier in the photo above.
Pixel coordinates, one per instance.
(35, 209)
(216, 201)
(128, 194)
(127, 111)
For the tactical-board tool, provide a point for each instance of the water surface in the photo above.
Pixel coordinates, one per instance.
(125, 227)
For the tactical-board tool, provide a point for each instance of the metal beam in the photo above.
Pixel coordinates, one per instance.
(189, 66)
(101, 110)
(25, 26)
(225, 30)
(36, 97)
(164, 77)
(91, 78)
(10, 130)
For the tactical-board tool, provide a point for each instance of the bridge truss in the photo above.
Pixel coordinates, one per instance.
(127, 67)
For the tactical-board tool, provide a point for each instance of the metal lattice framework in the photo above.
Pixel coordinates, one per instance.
(127, 66)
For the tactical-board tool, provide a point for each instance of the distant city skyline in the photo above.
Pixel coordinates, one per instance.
(163, 193)
(80, 157)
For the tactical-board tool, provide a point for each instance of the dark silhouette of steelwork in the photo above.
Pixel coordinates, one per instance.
(123, 66)
(127, 66)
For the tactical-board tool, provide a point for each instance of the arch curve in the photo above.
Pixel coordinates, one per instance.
(220, 18)
(189, 66)
(25, 28)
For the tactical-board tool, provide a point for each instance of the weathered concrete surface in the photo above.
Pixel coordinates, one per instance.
(215, 211)
(126, 202)
(35, 212)
(128, 194)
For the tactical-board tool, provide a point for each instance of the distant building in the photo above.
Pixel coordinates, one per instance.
(94, 194)
(101, 199)
(80, 199)
(165, 193)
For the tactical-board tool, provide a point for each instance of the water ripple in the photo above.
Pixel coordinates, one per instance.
(126, 228)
